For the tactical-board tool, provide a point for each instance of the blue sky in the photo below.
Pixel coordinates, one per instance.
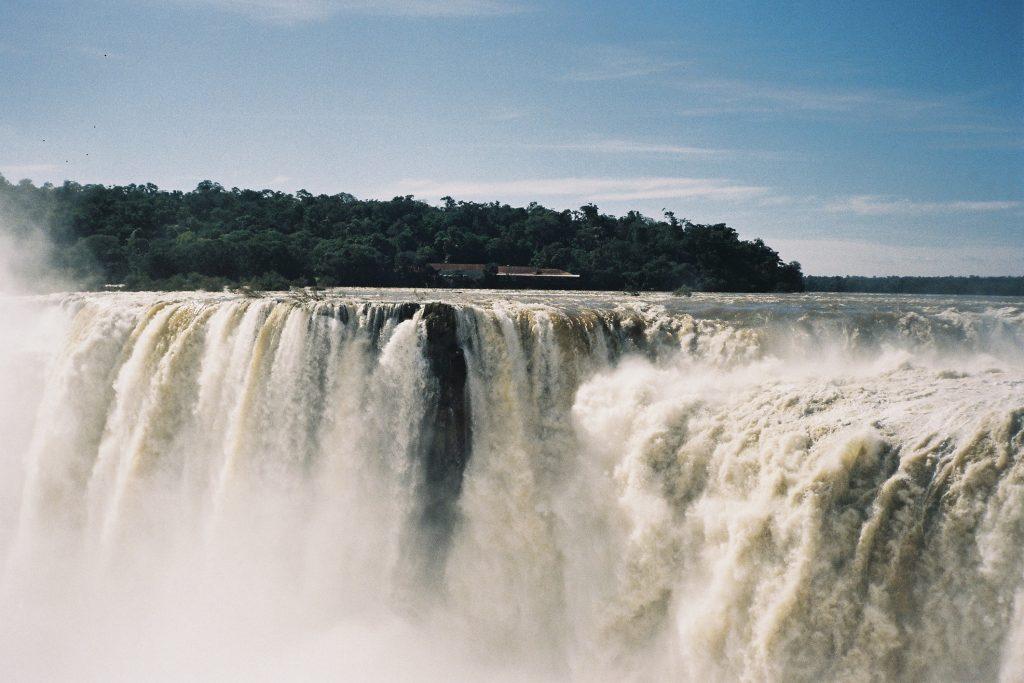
(855, 137)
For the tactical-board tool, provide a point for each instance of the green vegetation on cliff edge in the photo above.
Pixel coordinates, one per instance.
(211, 237)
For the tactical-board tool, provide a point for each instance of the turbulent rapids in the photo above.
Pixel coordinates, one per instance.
(437, 485)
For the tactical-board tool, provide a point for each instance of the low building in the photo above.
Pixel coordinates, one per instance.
(514, 276)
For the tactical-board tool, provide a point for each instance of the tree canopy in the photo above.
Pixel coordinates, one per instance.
(211, 236)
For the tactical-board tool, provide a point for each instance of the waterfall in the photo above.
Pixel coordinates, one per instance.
(577, 486)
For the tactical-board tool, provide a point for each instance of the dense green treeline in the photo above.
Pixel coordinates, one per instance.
(1000, 286)
(212, 236)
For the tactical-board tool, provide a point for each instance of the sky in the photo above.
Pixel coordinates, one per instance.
(862, 137)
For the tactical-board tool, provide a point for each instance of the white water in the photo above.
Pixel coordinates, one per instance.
(716, 488)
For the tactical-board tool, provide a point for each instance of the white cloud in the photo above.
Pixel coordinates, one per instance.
(995, 142)
(876, 205)
(586, 189)
(609, 63)
(732, 95)
(968, 128)
(724, 109)
(855, 257)
(302, 11)
(632, 147)
(506, 116)
(949, 114)
(18, 171)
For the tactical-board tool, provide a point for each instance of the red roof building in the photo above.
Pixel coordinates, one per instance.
(477, 271)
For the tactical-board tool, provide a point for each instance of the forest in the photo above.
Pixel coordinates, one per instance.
(212, 237)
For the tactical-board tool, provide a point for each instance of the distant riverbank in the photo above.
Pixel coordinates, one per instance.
(894, 284)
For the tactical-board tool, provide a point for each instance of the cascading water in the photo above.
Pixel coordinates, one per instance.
(579, 486)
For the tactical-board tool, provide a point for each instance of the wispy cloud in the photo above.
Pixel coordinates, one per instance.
(304, 11)
(718, 110)
(633, 147)
(625, 147)
(737, 96)
(953, 120)
(857, 257)
(877, 205)
(584, 189)
(968, 128)
(609, 63)
(997, 143)
(951, 114)
(507, 115)
(19, 171)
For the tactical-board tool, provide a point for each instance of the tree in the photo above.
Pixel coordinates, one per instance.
(157, 238)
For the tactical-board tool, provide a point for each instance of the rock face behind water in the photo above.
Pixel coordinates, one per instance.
(446, 425)
(406, 485)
